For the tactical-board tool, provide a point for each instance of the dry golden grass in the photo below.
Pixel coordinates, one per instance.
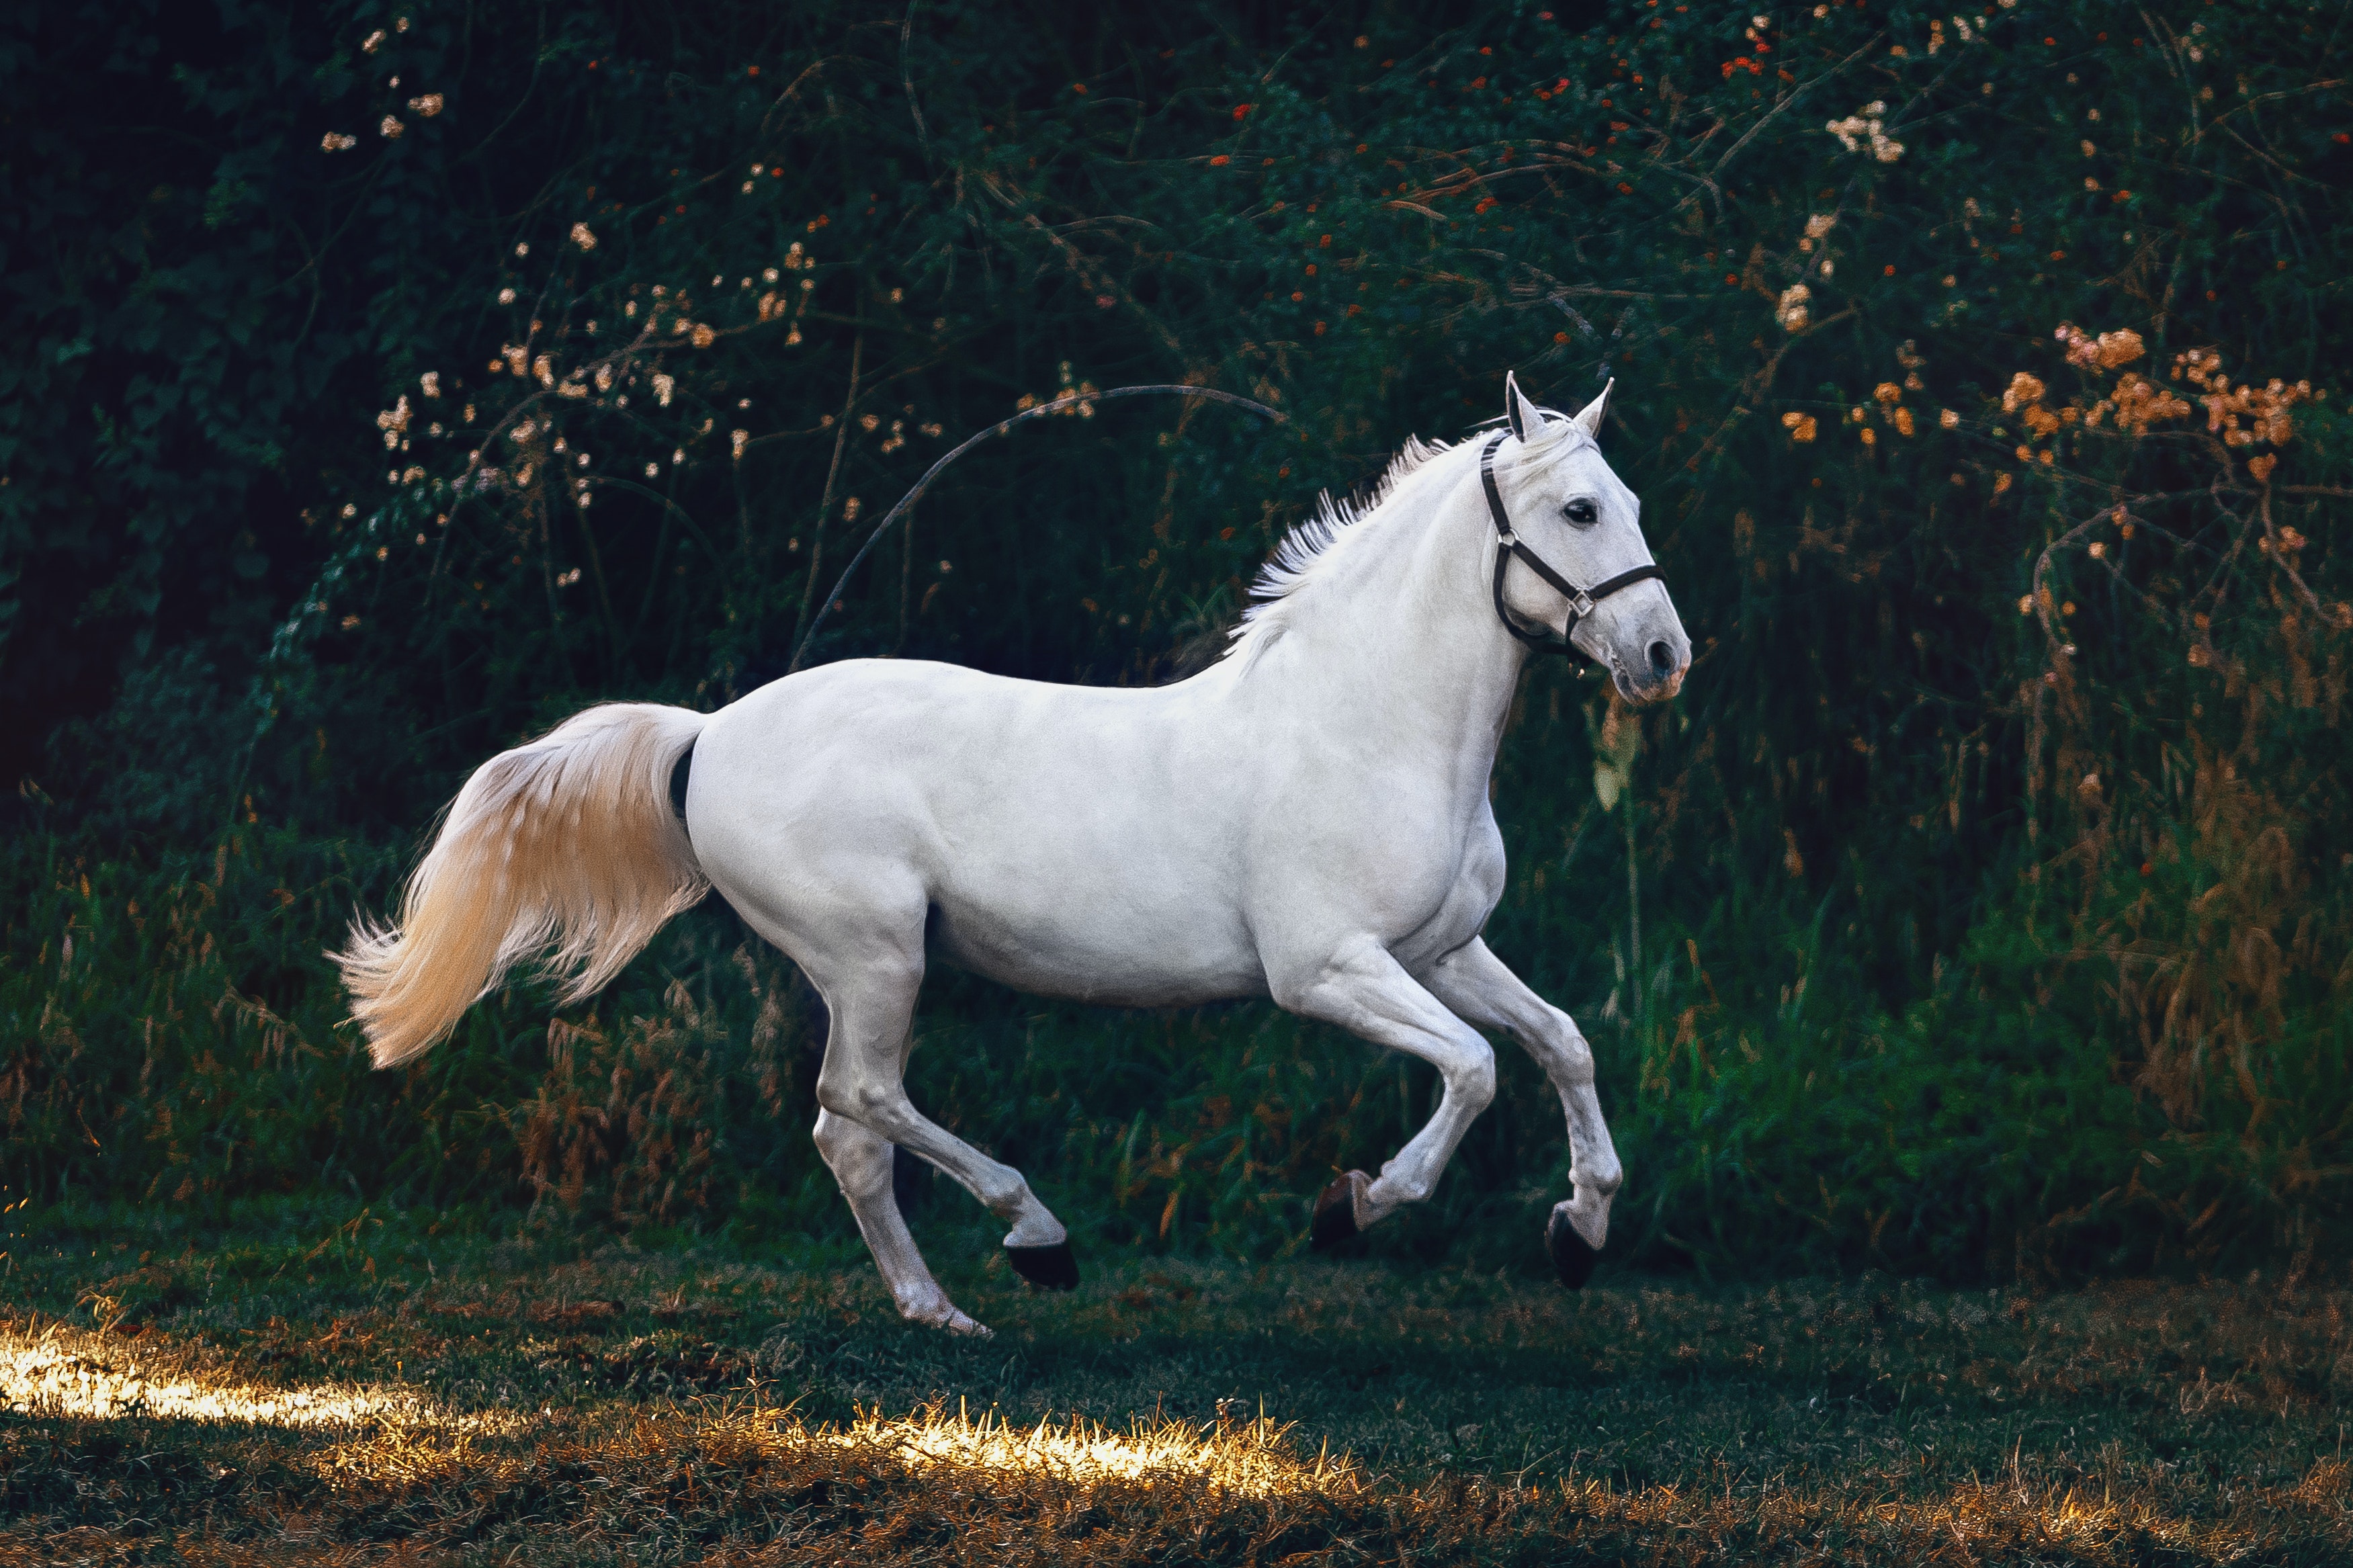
(763, 1486)
(642, 1407)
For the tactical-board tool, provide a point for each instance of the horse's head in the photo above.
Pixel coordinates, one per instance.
(1566, 508)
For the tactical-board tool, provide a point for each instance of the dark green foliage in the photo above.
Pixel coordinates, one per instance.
(1988, 895)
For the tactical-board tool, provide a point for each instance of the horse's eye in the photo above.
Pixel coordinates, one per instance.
(1581, 513)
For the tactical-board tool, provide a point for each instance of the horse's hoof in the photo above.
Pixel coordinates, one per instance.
(1048, 1268)
(1335, 1212)
(1571, 1253)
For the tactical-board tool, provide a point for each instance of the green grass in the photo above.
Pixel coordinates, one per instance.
(545, 1396)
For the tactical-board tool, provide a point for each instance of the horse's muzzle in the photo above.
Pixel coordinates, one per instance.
(1649, 662)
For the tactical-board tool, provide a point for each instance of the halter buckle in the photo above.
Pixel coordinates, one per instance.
(1507, 539)
(1582, 605)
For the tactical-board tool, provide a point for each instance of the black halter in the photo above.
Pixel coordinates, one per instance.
(1508, 547)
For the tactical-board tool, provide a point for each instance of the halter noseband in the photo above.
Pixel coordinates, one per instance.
(1508, 547)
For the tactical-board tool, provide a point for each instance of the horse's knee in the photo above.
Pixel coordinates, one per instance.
(1568, 1058)
(835, 1095)
(870, 1103)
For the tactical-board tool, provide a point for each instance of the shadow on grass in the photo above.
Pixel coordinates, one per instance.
(318, 1391)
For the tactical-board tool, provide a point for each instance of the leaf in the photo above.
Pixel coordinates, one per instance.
(1620, 747)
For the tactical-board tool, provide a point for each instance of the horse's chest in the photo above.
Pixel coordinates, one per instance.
(1460, 913)
(1423, 888)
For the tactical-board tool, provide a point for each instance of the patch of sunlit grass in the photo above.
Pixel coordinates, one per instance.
(67, 1372)
(1251, 1459)
(1244, 1459)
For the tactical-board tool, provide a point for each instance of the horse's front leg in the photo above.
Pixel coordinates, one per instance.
(1473, 981)
(1367, 992)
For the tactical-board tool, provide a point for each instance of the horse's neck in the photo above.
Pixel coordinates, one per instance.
(1400, 647)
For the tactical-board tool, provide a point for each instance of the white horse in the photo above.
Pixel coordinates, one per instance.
(1307, 819)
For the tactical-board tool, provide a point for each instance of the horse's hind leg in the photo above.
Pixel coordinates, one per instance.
(863, 1083)
(1473, 981)
(862, 1163)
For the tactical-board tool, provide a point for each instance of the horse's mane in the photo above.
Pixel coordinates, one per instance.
(1297, 551)
(1296, 556)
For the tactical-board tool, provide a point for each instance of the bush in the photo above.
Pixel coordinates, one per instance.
(1987, 904)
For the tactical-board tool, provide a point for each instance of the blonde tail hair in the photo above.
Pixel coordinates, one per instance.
(568, 842)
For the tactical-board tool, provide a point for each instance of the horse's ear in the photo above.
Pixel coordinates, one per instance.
(1518, 412)
(1589, 416)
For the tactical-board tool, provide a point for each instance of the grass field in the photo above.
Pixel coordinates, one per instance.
(299, 1386)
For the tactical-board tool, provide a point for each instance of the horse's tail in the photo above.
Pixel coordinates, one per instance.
(569, 842)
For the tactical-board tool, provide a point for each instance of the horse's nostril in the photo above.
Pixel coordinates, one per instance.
(1662, 660)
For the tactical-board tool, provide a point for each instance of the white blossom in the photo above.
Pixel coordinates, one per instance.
(1866, 125)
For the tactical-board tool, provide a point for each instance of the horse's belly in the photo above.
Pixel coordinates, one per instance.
(1138, 953)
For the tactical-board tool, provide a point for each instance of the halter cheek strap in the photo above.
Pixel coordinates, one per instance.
(1509, 548)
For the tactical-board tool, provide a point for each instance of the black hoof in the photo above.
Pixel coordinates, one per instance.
(1046, 1267)
(1571, 1253)
(1335, 1213)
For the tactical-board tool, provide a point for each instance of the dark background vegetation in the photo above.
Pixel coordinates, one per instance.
(1981, 907)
